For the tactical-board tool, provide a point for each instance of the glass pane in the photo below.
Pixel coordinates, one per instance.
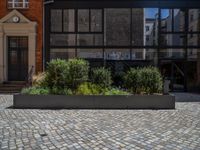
(151, 55)
(18, 5)
(23, 42)
(172, 53)
(166, 20)
(117, 54)
(117, 27)
(179, 20)
(192, 53)
(13, 42)
(56, 20)
(151, 26)
(14, 56)
(194, 15)
(89, 40)
(172, 39)
(90, 53)
(96, 20)
(83, 20)
(62, 53)
(193, 40)
(62, 39)
(68, 20)
(137, 27)
(138, 54)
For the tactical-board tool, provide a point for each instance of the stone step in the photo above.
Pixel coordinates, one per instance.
(9, 92)
(14, 83)
(12, 87)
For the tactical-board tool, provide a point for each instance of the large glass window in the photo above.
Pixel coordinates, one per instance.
(118, 35)
(127, 33)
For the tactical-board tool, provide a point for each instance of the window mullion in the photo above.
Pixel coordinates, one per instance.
(13, 3)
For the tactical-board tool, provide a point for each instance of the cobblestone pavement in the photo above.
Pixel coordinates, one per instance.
(100, 129)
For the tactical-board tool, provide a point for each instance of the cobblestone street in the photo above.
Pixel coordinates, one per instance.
(101, 129)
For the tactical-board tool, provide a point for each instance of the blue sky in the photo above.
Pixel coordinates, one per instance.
(150, 12)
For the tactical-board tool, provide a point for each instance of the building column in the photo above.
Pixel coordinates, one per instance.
(32, 52)
(198, 66)
(1, 58)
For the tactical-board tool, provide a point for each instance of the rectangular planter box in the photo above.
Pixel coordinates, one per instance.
(94, 102)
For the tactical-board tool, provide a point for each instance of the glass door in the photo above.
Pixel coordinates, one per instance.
(17, 58)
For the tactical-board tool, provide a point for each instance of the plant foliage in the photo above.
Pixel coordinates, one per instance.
(144, 80)
(102, 77)
(35, 91)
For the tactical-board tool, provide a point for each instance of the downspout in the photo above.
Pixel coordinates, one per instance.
(45, 2)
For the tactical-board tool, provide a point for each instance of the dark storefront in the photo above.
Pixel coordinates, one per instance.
(114, 33)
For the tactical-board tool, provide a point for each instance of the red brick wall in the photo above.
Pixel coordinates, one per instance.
(34, 13)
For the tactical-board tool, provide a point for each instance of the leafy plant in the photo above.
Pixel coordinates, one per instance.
(35, 91)
(88, 89)
(102, 77)
(151, 80)
(144, 80)
(114, 91)
(132, 80)
(61, 91)
(56, 73)
(77, 73)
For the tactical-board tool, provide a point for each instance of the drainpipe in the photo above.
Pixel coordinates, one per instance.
(46, 2)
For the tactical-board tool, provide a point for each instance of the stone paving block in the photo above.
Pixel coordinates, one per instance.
(101, 129)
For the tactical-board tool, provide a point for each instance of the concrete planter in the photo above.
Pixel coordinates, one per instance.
(94, 102)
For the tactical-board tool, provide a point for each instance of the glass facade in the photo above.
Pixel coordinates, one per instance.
(102, 29)
(113, 33)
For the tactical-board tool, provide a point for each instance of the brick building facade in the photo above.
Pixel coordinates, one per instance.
(21, 21)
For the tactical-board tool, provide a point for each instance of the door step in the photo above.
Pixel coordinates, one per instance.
(14, 82)
(12, 87)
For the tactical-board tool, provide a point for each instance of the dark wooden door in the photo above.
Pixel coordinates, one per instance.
(17, 58)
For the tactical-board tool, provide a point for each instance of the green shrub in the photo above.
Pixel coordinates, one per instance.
(35, 91)
(101, 77)
(88, 89)
(77, 73)
(114, 91)
(61, 91)
(144, 80)
(56, 73)
(151, 80)
(70, 74)
(132, 80)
